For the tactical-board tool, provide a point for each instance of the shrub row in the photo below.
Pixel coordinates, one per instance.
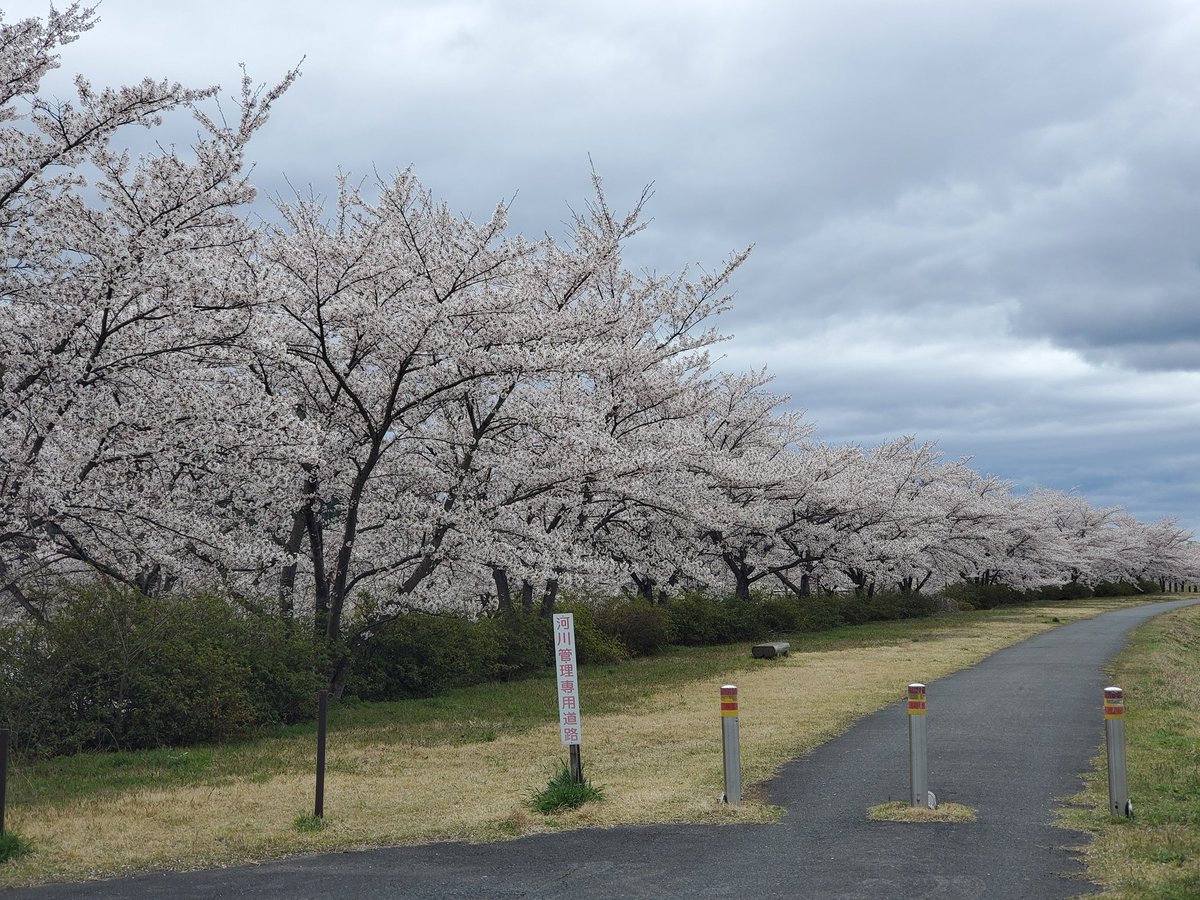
(620, 627)
(969, 595)
(114, 669)
(1126, 588)
(420, 655)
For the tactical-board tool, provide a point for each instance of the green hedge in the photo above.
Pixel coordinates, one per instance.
(418, 655)
(114, 669)
(970, 595)
(1126, 588)
(698, 618)
(640, 628)
(592, 642)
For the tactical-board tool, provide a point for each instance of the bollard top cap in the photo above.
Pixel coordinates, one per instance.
(1113, 692)
(729, 687)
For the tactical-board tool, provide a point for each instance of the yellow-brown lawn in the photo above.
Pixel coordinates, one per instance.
(657, 761)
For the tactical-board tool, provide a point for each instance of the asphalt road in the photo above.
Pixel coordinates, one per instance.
(1006, 737)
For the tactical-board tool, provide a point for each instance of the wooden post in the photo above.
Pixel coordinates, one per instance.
(3, 774)
(576, 764)
(322, 717)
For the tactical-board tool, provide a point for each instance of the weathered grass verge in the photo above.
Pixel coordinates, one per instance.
(899, 811)
(461, 766)
(1157, 854)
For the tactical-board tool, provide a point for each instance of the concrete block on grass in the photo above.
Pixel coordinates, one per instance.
(770, 650)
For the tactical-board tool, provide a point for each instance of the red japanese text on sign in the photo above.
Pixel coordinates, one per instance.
(569, 725)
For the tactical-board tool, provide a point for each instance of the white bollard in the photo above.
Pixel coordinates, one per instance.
(731, 745)
(918, 749)
(1119, 803)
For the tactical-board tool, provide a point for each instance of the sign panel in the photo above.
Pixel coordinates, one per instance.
(570, 727)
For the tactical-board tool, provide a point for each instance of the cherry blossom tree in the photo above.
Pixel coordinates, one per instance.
(1168, 552)
(375, 405)
(637, 403)
(120, 274)
(477, 403)
(752, 467)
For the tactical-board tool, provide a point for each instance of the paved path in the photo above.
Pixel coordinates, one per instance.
(1006, 737)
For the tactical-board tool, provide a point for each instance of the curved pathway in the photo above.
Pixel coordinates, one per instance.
(1006, 737)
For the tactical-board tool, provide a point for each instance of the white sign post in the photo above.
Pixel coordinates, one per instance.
(570, 726)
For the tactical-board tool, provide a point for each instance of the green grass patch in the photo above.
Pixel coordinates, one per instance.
(563, 792)
(1157, 854)
(308, 823)
(13, 846)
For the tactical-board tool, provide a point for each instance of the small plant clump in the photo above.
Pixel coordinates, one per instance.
(12, 845)
(563, 793)
(307, 824)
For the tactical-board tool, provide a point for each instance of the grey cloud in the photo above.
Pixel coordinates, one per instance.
(936, 190)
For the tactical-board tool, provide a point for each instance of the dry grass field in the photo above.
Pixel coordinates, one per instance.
(463, 766)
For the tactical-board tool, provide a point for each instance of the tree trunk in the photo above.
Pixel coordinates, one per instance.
(340, 673)
(549, 595)
(503, 590)
(789, 584)
(287, 578)
(741, 580)
(316, 543)
(740, 570)
(151, 581)
(859, 579)
(645, 586)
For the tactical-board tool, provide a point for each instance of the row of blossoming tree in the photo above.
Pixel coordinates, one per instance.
(372, 405)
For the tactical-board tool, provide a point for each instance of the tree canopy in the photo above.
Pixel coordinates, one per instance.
(371, 404)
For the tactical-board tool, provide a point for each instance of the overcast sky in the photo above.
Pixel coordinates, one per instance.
(974, 222)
